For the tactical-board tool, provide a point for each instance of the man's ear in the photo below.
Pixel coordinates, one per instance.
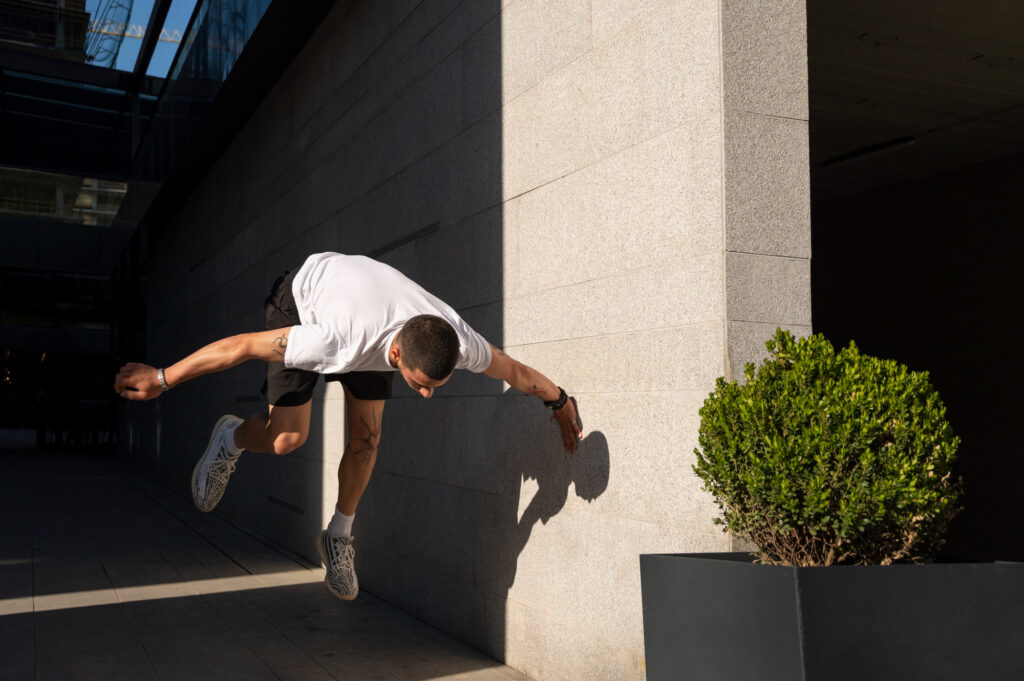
(394, 354)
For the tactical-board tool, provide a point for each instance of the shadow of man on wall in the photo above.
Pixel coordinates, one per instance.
(529, 456)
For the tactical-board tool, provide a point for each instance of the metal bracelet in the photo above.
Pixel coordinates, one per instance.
(163, 381)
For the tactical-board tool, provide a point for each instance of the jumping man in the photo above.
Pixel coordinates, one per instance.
(353, 320)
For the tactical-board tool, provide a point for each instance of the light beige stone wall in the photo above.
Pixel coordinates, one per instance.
(767, 174)
(613, 166)
(657, 231)
(615, 191)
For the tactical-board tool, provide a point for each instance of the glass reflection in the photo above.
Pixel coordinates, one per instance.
(215, 38)
(68, 198)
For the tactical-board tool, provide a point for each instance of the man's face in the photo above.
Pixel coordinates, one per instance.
(420, 382)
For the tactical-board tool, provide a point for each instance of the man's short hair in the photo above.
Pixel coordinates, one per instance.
(430, 344)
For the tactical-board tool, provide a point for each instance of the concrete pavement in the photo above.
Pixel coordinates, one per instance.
(107, 576)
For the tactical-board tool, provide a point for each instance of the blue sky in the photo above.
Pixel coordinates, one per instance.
(177, 20)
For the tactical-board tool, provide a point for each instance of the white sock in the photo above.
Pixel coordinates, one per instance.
(341, 524)
(229, 440)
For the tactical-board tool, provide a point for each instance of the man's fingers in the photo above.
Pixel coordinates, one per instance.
(122, 376)
(577, 419)
(130, 382)
(570, 424)
(569, 438)
(130, 368)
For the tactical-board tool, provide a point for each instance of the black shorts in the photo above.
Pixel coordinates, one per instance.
(292, 387)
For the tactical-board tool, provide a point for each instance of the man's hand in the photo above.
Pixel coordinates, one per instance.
(532, 382)
(568, 418)
(137, 382)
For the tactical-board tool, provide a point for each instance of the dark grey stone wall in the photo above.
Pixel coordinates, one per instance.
(385, 124)
(383, 137)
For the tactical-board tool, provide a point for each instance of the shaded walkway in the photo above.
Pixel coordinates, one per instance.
(107, 576)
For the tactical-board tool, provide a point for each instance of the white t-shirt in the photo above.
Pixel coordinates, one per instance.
(351, 307)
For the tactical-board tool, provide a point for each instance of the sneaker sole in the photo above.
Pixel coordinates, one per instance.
(323, 559)
(206, 452)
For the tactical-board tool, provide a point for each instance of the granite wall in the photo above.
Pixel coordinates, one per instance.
(614, 191)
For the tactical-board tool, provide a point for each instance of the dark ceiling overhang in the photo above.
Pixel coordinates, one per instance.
(902, 90)
(86, 74)
(67, 117)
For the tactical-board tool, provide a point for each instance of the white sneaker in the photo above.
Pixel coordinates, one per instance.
(210, 476)
(338, 557)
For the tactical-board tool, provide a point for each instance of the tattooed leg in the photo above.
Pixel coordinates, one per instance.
(363, 442)
(364, 426)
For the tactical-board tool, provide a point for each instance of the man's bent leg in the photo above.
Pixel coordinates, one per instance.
(364, 424)
(281, 431)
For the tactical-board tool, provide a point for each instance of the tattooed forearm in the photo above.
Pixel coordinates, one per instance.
(535, 390)
(365, 444)
(280, 343)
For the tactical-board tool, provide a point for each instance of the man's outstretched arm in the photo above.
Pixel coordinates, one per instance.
(532, 382)
(139, 381)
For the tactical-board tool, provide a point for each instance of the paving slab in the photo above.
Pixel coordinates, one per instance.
(107, 575)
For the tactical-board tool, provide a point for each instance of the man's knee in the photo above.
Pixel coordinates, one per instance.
(364, 439)
(286, 443)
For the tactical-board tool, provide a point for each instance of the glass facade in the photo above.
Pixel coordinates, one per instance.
(107, 28)
(55, 26)
(213, 42)
(86, 143)
(54, 196)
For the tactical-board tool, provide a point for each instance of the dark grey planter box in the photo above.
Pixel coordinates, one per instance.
(720, 617)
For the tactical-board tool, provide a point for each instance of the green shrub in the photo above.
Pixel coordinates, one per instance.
(824, 458)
